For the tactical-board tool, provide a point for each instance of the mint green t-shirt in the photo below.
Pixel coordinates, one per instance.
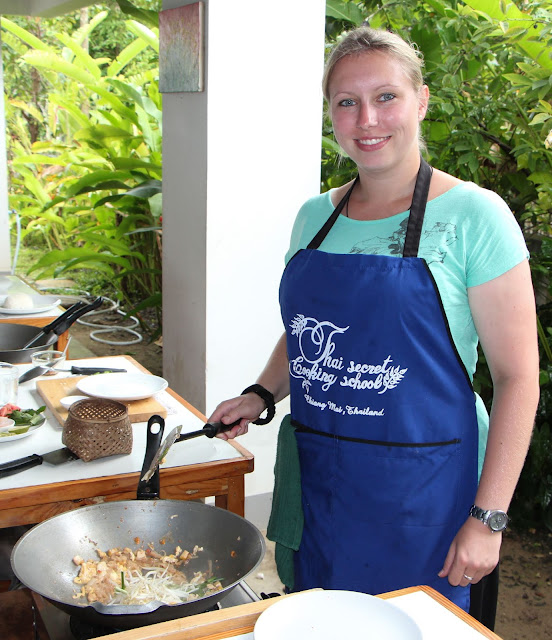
(469, 237)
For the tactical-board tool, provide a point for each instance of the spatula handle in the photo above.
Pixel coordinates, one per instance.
(21, 464)
(213, 428)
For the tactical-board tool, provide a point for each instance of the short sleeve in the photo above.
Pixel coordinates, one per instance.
(496, 244)
(310, 218)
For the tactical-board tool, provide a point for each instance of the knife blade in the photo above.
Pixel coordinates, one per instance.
(56, 457)
(86, 371)
(211, 429)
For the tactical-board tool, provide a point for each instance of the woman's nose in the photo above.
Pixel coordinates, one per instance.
(367, 116)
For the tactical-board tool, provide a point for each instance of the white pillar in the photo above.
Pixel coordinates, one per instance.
(238, 161)
(5, 252)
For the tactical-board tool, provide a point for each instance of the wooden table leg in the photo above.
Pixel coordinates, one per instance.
(62, 341)
(234, 500)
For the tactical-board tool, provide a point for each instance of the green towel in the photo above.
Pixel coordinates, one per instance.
(285, 526)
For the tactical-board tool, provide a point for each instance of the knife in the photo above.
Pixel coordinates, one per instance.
(210, 430)
(59, 456)
(86, 371)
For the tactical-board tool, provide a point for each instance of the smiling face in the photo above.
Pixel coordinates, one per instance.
(376, 110)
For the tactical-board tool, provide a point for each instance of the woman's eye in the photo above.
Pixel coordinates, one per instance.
(348, 102)
(385, 97)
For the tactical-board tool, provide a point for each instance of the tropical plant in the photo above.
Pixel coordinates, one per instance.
(489, 69)
(90, 188)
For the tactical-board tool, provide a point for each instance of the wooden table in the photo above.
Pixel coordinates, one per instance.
(239, 620)
(222, 479)
(34, 320)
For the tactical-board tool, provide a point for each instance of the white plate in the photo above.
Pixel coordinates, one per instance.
(327, 615)
(41, 303)
(18, 436)
(122, 386)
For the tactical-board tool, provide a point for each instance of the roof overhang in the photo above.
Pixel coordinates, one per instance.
(44, 8)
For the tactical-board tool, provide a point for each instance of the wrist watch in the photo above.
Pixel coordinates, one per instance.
(495, 519)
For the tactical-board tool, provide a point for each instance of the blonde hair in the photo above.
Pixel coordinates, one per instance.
(366, 39)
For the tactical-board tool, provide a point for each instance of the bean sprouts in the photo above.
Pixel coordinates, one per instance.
(157, 584)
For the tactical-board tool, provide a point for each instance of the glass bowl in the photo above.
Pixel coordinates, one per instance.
(49, 359)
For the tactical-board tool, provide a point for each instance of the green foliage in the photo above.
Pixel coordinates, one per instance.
(87, 186)
(489, 70)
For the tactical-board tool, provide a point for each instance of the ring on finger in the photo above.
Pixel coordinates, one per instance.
(468, 578)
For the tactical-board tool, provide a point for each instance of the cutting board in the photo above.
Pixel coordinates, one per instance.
(52, 391)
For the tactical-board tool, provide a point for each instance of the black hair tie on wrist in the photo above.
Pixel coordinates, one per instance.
(267, 398)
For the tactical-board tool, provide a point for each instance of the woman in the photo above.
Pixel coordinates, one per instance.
(384, 301)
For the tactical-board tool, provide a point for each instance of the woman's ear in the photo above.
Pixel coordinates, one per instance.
(423, 102)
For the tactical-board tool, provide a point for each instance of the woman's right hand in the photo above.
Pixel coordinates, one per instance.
(248, 407)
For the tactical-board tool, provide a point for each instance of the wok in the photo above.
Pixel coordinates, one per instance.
(42, 558)
(13, 337)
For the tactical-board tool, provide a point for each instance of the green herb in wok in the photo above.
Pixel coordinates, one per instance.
(203, 587)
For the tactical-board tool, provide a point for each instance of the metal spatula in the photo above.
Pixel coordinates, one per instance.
(210, 430)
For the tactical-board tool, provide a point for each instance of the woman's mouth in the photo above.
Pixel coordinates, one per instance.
(371, 143)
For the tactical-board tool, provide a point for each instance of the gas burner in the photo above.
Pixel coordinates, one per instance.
(62, 626)
(83, 630)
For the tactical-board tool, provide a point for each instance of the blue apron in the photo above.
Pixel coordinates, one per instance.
(384, 413)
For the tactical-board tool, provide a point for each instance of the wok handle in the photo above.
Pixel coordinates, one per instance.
(21, 464)
(71, 319)
(150, 489)
(52, 326)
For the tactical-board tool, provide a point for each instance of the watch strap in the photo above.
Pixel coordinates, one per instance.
(268, 399)
(478, 513)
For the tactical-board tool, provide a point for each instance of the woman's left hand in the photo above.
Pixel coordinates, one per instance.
(473, 554)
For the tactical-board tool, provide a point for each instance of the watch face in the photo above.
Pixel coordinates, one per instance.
(498, 520)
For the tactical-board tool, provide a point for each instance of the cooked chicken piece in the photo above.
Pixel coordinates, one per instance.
(87, 571)
(129, 553)
(169, 559)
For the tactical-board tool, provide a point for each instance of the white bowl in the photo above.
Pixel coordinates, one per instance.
(6, 424)
(67, 401)
(331, 615)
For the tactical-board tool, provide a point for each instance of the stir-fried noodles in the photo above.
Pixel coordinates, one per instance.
(125, 577)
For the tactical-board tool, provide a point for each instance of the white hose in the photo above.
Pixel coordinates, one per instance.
(111, 328)
(84, 296)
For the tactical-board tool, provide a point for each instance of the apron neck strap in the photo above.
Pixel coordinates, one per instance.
(320, 236)
(415, 219)
(417, 211)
